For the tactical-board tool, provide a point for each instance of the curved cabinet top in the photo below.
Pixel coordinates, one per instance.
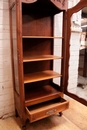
(58, 4)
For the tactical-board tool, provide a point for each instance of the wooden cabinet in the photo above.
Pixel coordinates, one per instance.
(32, 44)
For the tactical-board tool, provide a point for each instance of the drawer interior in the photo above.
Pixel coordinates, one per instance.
(45, 109)
(44, 105)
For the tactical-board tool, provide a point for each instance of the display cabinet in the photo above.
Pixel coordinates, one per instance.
(32, 45)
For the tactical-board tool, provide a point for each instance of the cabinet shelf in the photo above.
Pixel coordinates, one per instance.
(49, 37)
(41, 94)
(39, 76)
(40, 58)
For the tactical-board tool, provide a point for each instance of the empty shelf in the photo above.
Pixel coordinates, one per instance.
(42, 37)
(39, 76)
(40, 58)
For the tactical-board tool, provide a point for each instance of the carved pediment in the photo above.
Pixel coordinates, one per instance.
(61, 4)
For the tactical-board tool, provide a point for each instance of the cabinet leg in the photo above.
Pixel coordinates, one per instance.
(24, 124)
(24, 127)
(60, 113)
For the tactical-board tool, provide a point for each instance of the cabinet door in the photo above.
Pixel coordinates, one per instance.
(79, 93)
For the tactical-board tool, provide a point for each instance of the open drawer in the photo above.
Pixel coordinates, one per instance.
(42, 110)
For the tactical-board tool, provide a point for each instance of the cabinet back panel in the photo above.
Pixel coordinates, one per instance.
(36, 85)
(37, 25)
(35, 46)
(37, 66)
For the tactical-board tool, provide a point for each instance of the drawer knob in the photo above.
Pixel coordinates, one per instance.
(50, 112)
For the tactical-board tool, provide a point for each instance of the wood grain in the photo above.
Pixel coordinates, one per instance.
(41, 37)
(40, 58)
(39, 76)
(46, 109)
(73, 119)
(40, 94)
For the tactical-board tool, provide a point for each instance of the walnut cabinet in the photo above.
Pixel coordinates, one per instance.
(32, 44)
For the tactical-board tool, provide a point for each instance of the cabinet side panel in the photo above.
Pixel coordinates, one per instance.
(17, 103)
(14, 50)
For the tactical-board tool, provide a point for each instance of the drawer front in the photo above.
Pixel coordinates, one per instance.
(47, 111)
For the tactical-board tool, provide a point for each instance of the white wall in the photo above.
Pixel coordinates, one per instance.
(6, 86)
(74, 61)
(57, 44)
(74, 50)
